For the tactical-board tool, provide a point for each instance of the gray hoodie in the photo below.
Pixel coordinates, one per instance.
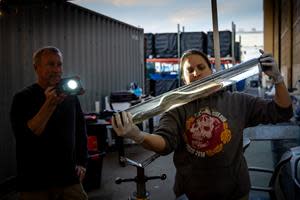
(206, 137)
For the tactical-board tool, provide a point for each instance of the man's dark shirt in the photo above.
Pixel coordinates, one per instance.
(49, 159)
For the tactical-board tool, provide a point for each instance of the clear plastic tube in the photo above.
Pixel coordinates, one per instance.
(198, 89)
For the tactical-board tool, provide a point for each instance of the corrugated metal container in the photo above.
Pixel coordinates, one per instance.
(107, 54)
(193, 40)
(150, 47)
(166, 45)
(225, 43)
(237, 51)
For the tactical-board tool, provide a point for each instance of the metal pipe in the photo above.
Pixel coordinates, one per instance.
(216, 35)
(193, 91)
(233, 43)
(178, 51)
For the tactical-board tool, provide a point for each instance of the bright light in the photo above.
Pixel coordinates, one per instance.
(72, 84)
(251, 72)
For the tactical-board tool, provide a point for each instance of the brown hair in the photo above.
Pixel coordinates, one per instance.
(192, 52)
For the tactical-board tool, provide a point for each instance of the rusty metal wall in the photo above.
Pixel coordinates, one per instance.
(107, 54)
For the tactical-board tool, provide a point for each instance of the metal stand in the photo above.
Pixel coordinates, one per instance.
(141, 192)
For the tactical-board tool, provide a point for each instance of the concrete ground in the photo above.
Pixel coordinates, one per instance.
(159, 189)
(257, 154)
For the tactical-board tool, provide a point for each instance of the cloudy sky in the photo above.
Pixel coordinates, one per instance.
(159, 16)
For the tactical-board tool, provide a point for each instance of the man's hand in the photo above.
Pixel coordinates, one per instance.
(80, 171)
(126, 128)
(38, 123)
(269, 67)
(52, 97)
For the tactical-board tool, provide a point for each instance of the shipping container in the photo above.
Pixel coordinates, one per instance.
(105, 53)
(166, 45)
(150, 45)
(237, 51)
(193, 40)
(225, 44)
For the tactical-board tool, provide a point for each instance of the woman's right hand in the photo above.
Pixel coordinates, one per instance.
(126, 128)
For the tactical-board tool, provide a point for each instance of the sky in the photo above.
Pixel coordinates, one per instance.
(162, 16)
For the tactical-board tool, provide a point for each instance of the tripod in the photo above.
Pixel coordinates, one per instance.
(141, 192)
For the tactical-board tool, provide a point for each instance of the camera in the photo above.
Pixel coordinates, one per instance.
(70, 86)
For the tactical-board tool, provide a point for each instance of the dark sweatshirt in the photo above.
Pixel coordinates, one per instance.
(48, 160)
(207, 140)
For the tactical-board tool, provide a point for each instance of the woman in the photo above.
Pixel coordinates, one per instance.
(206, 134)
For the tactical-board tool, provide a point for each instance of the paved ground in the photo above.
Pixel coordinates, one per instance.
(257, 154)
(111, 169)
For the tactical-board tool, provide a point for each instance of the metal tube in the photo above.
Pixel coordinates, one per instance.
(216, 35)
(233, 43)
(178, 52)
(193, 91)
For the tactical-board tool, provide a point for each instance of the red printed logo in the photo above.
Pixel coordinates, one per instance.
(206, 133)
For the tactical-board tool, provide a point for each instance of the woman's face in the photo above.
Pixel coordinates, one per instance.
(194, 68)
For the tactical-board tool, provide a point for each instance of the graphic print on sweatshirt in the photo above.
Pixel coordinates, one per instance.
(206, 133)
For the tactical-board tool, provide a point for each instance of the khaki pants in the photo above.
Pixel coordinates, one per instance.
(72, 192)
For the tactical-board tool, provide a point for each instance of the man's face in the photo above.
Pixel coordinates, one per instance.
(195, 68)
(49, 70)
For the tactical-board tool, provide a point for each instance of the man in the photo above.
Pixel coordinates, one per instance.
(51, 141)
(206, 134)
